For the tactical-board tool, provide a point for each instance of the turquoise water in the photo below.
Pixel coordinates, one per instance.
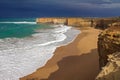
(21, 55)
(19, 27)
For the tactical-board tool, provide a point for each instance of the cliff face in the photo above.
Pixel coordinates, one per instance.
(101, 23)
(79, 22)
(112, 70)
(67, 21)
(109, 54)
(108, 43)
(52, 20)
(116, 24)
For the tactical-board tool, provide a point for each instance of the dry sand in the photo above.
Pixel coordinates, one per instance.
(75, 61)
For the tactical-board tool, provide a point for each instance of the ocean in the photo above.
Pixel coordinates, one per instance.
(26, 46)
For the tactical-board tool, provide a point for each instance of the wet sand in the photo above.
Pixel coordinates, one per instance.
(76, 61)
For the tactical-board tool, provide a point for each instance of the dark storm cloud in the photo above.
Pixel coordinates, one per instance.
(36, 8)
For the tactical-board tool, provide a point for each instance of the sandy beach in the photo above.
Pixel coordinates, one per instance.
(76, 61)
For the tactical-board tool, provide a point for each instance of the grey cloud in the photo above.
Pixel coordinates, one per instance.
(107, 1)
(112, 5)
(92, 5)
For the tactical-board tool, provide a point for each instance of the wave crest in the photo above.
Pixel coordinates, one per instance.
(20, 22)
(20, 57)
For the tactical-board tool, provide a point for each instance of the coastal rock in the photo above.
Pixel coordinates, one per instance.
(67, 21)
(112, 70)
(109, 54)
(108, 43)
(101, 23)
(116, 24)
(52, 20)
(81, 22)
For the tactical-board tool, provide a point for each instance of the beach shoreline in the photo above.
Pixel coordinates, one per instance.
(77, 60)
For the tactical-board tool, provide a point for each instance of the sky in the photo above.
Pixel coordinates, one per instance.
(59, 8)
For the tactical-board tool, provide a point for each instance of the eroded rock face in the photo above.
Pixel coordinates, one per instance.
(67, 21)
(79, 22)
(108, 43)
(109, 54)
(100, 23)
(52, 20)
(112, 70)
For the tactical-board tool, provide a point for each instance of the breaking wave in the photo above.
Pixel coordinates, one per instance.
(23, 22)
(22, 56)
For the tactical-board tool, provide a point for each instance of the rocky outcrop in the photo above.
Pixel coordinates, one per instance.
(112, 69)
(81, 22)
(116, 24)
(52, 20)
(108, 43)
(101, 23)
(67, 21)
(109, 54)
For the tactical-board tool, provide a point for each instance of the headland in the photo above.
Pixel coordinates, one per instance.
(87, 55)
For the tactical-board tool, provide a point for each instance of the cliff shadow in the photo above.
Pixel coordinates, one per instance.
(83, 67)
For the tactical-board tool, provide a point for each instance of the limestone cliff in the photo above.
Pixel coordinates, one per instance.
(108, 43)
(101, 23)
(109, 54)
(52, 20)
(79, 22)
(67, 21)
(116, 24)
(112, 70)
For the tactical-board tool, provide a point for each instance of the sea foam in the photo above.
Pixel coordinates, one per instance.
(22, 22)
(22, 56)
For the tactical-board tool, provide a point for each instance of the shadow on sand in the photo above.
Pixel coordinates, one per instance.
(83, 67)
